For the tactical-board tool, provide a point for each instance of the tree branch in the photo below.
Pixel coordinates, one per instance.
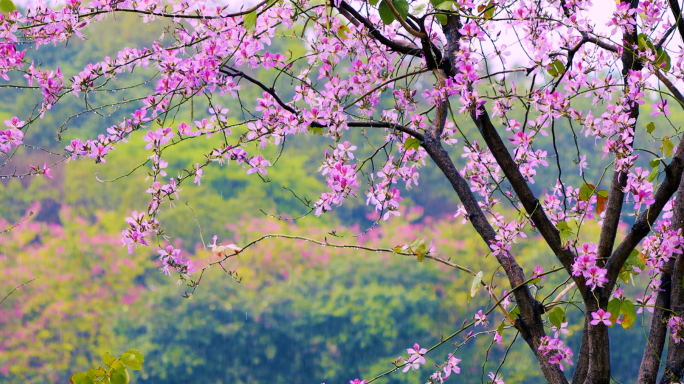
(642, 226)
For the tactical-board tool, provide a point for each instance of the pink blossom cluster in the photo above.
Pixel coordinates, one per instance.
(12, 136)
(676, 327)
(585, 265)
(556, 350)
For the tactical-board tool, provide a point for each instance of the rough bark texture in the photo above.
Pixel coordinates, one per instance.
(650, 363)
(674, 369)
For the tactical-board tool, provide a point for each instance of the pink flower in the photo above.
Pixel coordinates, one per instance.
(601, 316)
(416, 353)
(480, 318)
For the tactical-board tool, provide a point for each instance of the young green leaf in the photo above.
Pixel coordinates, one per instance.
(557, 316)
(412, 143)
(7, 6)
(667, 147)
(476, 284)
(250, 20)
(108, 359)
(650, 127)
(565, 231)
(131, 361)
(586, 190)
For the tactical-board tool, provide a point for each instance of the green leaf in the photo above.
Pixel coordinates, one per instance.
(603, 193)
(108, 359)
(535, 281)
(441, 18)
(551, 70)
(586, 190)
(96, 373)
(667, 147)
(120, 376)
(342, 32)
(501, 327)
(624, 276)
(412, 143)
(627, 309)
(373, 2)
(635, 259)
(385, 14)
(557, 316)
(417, 10)
(476, 284)
(131, 361)
(402, 6)
(418, 247)
(118, 364)
(663, 60)
(250, 20)
(138, 355)
(317, 130)
(642, 41)
(557, 68)
(81, 378)
(654, 163)
(654, 171)
(515, 312)
(7, 6)
(565, 231)
(614, 309)
(488, 10)
(650, 127)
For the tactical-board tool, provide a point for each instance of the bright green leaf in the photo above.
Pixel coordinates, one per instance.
(250, 21)
(501, 327)
(120, 376)
(317, 130)
(663, 60)
(489, 11)
(385, 13)
(81, 378)
(373, 2)
(557, 316)
(131, 361)
(614, 309)
(118, 364)
(7, 6)
(603, 193)
(565, 231)
(476, 284)
(138, 355)
(650, 127)
(515, 312)
(627, 309)
(654, 163)
(535, 281)
(417, 10)
(412, 143)
(108, 359)
(667, 147)
(559, 67)
(402, 7)
(586, 190)
(342, 32)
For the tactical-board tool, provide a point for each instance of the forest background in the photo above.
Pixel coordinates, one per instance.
(301, 313)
